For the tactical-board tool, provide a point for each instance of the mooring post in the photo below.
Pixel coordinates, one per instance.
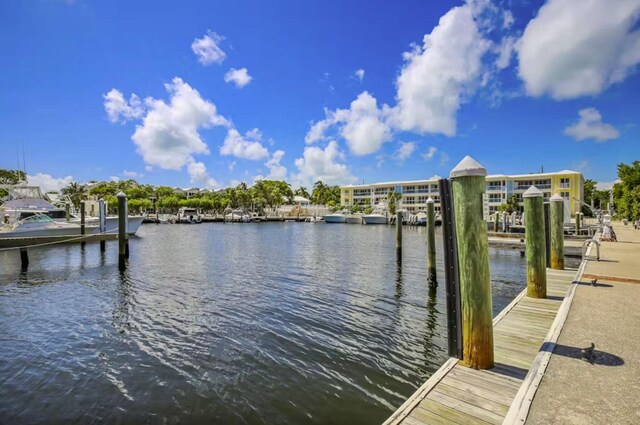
(556, 228)
(82, 229)
(535, 243)
(122, 230)
(496, 221)
(468, 182)
(67, 211)
(578, 224)
(431, 240)
(102, 222)
(24, 258)
(398, 233)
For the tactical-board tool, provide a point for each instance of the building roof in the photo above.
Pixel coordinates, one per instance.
(300, 199)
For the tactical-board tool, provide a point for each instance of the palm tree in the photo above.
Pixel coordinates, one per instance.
(302, 191)
(393, 198)
(76, 193)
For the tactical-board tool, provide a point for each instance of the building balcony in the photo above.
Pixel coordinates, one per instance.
(494, 188)
(565, 185)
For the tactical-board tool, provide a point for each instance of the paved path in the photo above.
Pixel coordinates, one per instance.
(573, 391)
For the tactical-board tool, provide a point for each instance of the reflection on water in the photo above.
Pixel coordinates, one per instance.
(255, 323)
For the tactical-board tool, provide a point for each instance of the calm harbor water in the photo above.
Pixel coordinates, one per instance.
(226, 323)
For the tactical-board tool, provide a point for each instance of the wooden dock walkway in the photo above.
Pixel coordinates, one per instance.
(456, 394)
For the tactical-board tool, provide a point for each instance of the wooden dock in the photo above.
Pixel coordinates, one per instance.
(456, 394)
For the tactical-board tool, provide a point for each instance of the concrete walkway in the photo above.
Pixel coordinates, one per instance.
(574, 391)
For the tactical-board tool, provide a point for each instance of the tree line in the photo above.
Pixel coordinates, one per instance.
(263, 194)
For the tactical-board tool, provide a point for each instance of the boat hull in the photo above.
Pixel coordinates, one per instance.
(335, 219)
(374, 219)
(353, 220)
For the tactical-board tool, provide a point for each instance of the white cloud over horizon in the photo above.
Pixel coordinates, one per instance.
(118, 109)
(239, 77)
(248, 146)
(208, 50)
(322, 164)
(590, 126)
(47, 183)
(568, 52)
(404, 151)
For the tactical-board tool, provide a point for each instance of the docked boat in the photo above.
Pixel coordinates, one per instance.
(238, 216)
(41, 225)
(26, 201)
(336, 217)
(421, 219)
(354, 219)
(378, 216)
(188, 216)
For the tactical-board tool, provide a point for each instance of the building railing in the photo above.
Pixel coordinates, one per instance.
(565, 185)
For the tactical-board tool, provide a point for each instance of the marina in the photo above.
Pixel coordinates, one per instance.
(320, 213)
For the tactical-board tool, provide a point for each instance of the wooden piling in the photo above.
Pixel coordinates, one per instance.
(431, 240)
(578, 223)
(102, 222)
(496, 221)
(398, 232)
(82, 227)
(468, 182)
(122, 226)
(535, 243)
(556, 229)
(67, 211)
(24, 258)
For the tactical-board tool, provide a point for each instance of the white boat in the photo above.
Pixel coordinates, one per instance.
(25, 201)
(378, 216)
(41, 225)
(238, 216)
(336, 217)
(188, 216)
(354, 219)
(421, 219)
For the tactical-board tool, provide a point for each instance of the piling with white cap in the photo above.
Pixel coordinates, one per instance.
(535, 243)
(468, 183)
(556, 230)
(431, 240)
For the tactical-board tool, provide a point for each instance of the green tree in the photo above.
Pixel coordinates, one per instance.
(76, 193)
(11, 177)
(393, 199)
(510, 206)
(302, 191)
(626, 193)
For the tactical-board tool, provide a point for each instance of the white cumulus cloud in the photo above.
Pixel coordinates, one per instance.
(199, 174)
(590, 126)
(132, 174)
(277, 171)
(430, 153)
(359, 74)
(168, 136)
(363, 126)
(239, 77)
(436, 76)
(572, 49)
(404, 151)
(322, 164)
(208, 50)
(48, 183)
(248, 146)
(119, 109)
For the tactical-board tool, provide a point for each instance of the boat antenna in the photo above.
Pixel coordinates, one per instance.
(24, 162)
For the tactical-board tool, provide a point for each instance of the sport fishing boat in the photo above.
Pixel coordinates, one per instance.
(189, 216)
(354, 219)
(41, 225)
(25, 201)
(377, 216)
(336, 217)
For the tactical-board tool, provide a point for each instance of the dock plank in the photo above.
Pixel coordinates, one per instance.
(461, 395)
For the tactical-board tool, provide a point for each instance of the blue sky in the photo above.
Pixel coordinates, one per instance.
(516, 86)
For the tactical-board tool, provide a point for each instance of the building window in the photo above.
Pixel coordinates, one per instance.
(565, 182)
